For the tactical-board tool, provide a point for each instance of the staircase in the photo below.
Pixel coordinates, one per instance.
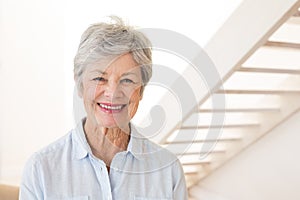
(260, 93)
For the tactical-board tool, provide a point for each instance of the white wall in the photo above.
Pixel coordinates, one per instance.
(269, 169)
(31, 81)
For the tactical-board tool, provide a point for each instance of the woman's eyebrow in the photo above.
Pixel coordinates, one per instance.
(99, 71)
(129, 73)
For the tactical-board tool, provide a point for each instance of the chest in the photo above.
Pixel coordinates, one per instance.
(90, 179)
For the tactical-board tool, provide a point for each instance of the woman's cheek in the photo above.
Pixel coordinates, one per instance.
(92, 92)
(134, 103)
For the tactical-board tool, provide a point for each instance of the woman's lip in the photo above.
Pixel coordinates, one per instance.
(110, 104)
(111, 108)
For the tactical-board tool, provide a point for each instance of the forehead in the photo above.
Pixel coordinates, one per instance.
(118, 65)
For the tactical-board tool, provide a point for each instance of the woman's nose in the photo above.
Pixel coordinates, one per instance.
(112, 90)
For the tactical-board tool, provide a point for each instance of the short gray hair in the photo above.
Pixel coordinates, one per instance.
(109, 40)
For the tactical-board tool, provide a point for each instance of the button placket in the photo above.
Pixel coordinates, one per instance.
(102, 176)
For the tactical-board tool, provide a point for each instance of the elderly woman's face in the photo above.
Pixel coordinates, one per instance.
(112, 91)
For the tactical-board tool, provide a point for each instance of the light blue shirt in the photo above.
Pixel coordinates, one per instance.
(67, 169)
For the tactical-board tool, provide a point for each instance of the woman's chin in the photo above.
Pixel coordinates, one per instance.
(113, 123)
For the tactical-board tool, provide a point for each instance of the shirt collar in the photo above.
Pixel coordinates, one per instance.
(81, 146)
(136, 145)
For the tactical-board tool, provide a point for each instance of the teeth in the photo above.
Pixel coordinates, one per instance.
(110, 107)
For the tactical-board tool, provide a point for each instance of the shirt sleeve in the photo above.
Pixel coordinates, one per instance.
(30, 187)
(179, 187)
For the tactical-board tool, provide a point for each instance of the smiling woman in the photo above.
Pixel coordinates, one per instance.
(105, 157)
(111, 95)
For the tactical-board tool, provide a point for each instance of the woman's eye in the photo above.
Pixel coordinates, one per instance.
(126, 80)
(99, 79)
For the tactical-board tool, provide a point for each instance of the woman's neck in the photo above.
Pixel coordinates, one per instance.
(106, 142)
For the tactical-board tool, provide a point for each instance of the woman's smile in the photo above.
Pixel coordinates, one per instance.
(111, 108)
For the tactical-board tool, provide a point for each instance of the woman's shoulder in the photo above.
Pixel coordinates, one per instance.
(161, 155)
(53, 149)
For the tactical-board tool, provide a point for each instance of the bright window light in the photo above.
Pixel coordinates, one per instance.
(288, 32)
(191, 168)
(209, 119)
(278, 58)
(243, 101)
(194, 148)
(258, 81)
(194, 135)
(185, 159)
